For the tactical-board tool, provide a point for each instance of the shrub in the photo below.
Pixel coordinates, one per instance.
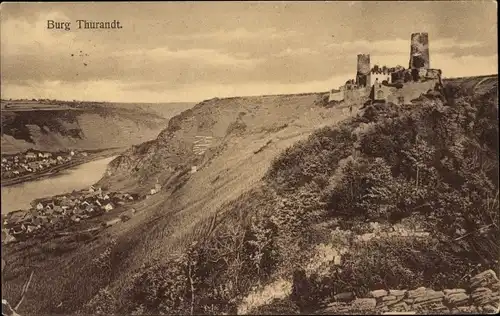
(404, 263)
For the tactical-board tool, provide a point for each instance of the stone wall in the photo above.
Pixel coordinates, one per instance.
(336, 95)
(404, 95)
(482, 296)
(356, 96)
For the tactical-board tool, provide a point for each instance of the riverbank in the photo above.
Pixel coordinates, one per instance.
(93, 155)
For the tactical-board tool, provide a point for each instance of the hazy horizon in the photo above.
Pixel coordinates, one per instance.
(192, 51)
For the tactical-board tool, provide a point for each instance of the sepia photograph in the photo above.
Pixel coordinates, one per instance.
(250, 158)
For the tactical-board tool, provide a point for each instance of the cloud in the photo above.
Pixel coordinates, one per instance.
(302, 51)
(238, 34)
(21, 35)
(162, 91)
(194, 52)
(465, 66)
(196, 56)
(396, 46)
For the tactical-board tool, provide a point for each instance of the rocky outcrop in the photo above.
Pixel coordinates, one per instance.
(481, 296)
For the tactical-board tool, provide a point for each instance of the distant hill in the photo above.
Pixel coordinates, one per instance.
(54, 125)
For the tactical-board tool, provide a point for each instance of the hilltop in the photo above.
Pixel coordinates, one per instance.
(277, 175)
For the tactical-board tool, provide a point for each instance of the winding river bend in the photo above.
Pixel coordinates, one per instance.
(19, 196)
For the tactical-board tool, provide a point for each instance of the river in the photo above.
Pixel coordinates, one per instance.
(19, 196)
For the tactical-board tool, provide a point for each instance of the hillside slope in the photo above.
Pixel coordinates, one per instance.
(96, 127)
(262, 197)
(170, 219)
(267, 224)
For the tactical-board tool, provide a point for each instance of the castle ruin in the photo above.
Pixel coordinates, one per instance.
(392, 84)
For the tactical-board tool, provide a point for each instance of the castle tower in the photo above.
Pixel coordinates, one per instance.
(363, 70)
(419, 51)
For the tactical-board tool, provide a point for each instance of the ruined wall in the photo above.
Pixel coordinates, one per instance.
(433, 74)
(381, 77)
(336, 95)
(404, 95)
(419, 51)
(357, 96)
(482, 295)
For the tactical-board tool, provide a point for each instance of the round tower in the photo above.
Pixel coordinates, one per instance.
(419, 51)
(364, 64)
(363, 70)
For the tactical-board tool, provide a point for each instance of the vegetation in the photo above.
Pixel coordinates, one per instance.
(435, 160)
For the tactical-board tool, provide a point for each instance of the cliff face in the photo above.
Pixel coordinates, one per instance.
(95, 128)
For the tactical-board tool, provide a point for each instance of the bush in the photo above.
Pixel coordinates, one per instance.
(404, 263)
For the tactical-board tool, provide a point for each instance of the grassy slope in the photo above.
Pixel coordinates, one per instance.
(229, 180)
(167, 220)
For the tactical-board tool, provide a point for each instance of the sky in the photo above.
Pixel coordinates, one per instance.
(192, 51)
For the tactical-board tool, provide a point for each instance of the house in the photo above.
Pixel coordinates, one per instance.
(72, 153)
(6, 237)
(105, 197)
(92, 188)
(75, 218)
(66, 202)
(157, 187)
(17, 230)
(16, 216)
(4, 160)
(58, 209)
(108, 207)
(84, 154)
(31, 155)
(153, 191)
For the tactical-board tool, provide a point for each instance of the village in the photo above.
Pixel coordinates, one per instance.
(59, 212)
(33, 162)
